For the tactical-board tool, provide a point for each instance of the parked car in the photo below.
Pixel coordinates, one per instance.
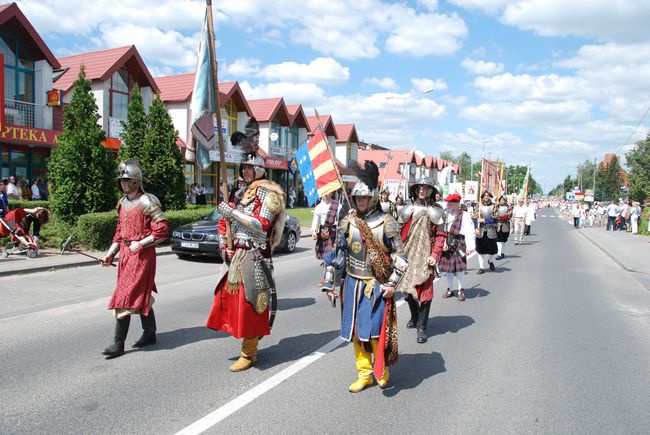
(201, 239)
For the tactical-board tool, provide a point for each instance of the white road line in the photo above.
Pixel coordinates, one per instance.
(543, 215)
(244, 399)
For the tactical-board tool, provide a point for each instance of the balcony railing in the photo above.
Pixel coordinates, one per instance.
(24, 114)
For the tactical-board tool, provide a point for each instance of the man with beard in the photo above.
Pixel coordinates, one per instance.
(370, 251)
(141, 225)
(504, 213)
(424, 237)
(459, 244)
(486, 232)
(245, 301)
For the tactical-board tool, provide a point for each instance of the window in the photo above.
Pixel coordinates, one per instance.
(120, 92)
(231, 116)
(276, 146)
(19, 70)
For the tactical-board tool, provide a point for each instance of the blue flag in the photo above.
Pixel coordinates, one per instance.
(307, 173)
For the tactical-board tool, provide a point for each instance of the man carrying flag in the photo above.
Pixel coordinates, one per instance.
(371, 253)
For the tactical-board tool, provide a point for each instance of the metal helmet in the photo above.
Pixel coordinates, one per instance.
(368, 183)
(362, 189)
(424, 181)
(131, 169)
(256, 161)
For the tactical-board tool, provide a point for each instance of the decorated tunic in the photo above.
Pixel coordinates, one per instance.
(263, 201)
(486, 239)
(136, 271)
(460, 241)
(503, 225)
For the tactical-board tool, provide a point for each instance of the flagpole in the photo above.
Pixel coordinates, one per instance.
(383, 177)
(336, 169)
(217, 110)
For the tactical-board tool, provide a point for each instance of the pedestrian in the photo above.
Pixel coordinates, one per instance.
(485, 220)
(141, 225)
(4, 201)
(13, 191)
(423, 236)
(577, 214)
(36, 193)
(244, 300)
(324, 223)
(42, 189)
(530, 217)
(612, 213)
(504, 213)
(36, 218)
(291, 197)
(635, 213)
(519, 213)
(387, 206)
(368, 305)
(459, 244)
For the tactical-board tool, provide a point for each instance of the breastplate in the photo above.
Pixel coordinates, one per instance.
(356, 256)
(503, 210)
(486, 211)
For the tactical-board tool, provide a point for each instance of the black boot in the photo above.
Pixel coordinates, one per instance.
(413, 307)
(121, 330)
(423, 320)
(148, 330)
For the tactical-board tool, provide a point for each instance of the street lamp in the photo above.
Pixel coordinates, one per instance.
(407, 97)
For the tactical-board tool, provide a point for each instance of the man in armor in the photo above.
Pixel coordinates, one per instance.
(504, 213)
(245, 301)
(485, 217)
(371, 254)
(387, 206)
(141, 225)
(424, 237)
(459, 244)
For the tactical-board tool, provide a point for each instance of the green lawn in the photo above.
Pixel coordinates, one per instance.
(305, 215)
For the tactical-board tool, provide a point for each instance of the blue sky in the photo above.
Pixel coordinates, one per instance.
(550, 83)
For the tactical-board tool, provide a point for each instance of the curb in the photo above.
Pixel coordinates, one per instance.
(82, 263)
(621, 265)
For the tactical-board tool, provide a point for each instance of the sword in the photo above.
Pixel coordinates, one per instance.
(76, 251)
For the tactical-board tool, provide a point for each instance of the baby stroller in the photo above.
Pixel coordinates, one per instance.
(23, 242)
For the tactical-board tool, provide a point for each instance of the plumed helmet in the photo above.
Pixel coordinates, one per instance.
(131, 169)
(254, 160)
(367, 185)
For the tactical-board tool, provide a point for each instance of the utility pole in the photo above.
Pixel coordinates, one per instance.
(594, 182)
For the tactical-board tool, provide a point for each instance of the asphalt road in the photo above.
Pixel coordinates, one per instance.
(555, 341)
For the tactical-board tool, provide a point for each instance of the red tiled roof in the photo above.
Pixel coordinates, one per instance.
(398, 157)
(346, 133)
(12, 17)
(266, 109)
(297, 115)
(326, 120)
(101, 64)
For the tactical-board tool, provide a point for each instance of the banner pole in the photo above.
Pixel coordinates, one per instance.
(336, 169)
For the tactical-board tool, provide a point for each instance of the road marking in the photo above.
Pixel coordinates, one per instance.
(219, 414)
(543, 215)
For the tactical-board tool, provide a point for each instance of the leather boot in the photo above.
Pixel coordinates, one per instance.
(413, 307)
(383, 382)
(423, 320)
(248, 355)
(148, 330)
(121, 330)
(364, 367)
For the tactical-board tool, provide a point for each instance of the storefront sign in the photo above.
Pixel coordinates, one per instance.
(55, 97)
(29, 135)
(115, 128)
(277, 164)
(278, 151)
(230, 157)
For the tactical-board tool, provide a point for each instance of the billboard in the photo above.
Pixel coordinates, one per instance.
(471, 191)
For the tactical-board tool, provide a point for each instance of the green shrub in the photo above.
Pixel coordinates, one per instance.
(643, 222)
(13, 204)
(96, 230)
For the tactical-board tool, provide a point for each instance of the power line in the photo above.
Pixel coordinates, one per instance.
(632, 134)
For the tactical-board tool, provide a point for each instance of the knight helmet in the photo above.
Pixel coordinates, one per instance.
(131, 169)
(426, 181)
(248, 141)
(367, 185)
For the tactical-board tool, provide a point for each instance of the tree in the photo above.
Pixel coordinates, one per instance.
(134, 127)
(516, 175)
(161, 159)
(585, 174)
(638, 160)
(608, 180)
(448, 155)
(81, 173)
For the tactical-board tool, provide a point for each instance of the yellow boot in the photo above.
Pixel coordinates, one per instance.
(248, 355)
(383, 382)
(364, 367)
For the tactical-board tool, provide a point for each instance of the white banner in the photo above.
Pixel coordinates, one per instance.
(395, 187)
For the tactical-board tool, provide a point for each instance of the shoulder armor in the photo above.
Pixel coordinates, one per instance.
(391, 227)
(406, 212)
(151, 207)
(272, 201)
(436, 214)
(344, 223)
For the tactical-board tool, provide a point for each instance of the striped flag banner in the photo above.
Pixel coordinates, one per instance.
(316, 168)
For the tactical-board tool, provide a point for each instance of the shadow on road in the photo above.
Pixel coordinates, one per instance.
(412, 369)
(291, 348)
(475, 292)
(291, 303)
(295, 251)
(501, 268)
(510, 256)
(180, 337)
(443, 324)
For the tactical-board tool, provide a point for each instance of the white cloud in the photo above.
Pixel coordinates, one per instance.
(529, 113)
(425, 34)
(244, 67)
(307, 94)
(487, 6)
(383, 83)
(481, 67)
(319, 70)
(511, 87)
(431, 5)
(422, 85)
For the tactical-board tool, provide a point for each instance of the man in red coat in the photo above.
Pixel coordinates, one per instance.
(424, 237)
(244, 298)
(141, 225)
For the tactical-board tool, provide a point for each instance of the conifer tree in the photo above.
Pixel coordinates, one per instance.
(161, 159)
(608, 180)
(135, 127)
(638, 159)
(81, 173)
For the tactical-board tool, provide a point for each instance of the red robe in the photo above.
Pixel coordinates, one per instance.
(438, 237)
(136, 271)
(230, 311)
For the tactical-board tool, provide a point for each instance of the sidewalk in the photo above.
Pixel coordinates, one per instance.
(51, 259)
(630, 252)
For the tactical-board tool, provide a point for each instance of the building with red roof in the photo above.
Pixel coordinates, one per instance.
(28, 133)
(347, 143)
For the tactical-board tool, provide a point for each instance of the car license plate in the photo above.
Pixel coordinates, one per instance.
(192, 245)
